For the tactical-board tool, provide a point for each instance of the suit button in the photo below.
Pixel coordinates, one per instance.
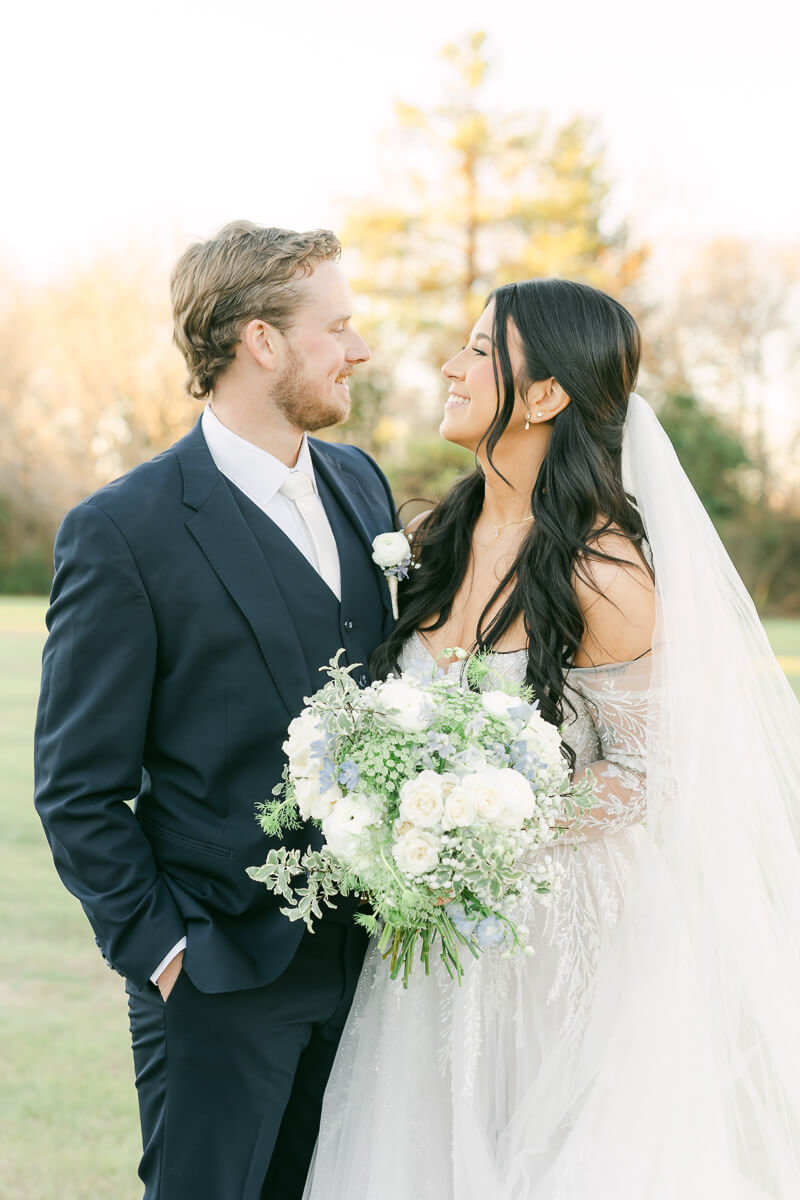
(348, 626)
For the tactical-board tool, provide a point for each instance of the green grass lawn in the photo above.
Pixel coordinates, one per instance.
(67, 1100)
(785, 638)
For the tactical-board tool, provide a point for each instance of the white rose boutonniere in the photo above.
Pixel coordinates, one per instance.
(392, 553)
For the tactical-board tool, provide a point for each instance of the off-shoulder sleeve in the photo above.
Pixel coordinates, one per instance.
(617, 699)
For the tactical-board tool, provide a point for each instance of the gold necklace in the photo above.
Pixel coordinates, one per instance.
(497, 528)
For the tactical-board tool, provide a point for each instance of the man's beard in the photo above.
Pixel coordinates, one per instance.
(294, 398)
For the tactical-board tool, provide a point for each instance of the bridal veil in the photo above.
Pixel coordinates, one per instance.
(723, 771)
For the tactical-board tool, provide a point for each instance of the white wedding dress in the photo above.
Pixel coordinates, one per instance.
(521, 1084)
(650, 1048)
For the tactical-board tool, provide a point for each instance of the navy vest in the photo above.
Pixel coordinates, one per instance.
(325, 624)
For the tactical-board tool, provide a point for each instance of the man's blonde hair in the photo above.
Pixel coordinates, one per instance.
(244, 272)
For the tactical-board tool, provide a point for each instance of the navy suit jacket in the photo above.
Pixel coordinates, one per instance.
(173, 666)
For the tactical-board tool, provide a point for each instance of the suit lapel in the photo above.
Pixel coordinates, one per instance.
(357, 506)
(226, 540)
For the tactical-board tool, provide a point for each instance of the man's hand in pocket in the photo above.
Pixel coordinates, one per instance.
(166, 980)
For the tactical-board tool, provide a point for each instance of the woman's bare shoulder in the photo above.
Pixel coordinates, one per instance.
(617, 599)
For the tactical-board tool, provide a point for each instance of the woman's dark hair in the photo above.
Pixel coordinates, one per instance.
(590, 344)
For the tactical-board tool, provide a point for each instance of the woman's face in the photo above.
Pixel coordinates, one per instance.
(472, 402)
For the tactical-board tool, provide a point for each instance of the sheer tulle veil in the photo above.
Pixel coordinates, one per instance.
(724, 810)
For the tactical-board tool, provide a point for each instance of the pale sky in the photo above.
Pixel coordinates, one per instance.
(124, 124)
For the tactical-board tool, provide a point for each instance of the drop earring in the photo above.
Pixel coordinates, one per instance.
(527, 420)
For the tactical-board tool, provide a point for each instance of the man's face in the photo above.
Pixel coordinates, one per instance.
(312, 390)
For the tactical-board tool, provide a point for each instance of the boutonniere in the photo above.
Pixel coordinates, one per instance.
(392, 553)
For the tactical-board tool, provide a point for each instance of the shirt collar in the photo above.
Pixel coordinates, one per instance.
(254, 471)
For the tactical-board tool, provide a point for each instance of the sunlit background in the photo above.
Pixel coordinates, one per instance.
(647, 149)
(157, 121)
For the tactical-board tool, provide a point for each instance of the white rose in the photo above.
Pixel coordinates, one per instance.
(303, 732)
(404, 706)
(481, 788)
(519, 800)
(421, 800)
(391, 549)
(312, 801)
(416, 852)
(345, 824)
(541, 738)
(502, 796)
(498, 704)
(460, 808)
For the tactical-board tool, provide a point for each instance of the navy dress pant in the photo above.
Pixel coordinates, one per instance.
(230, 1084)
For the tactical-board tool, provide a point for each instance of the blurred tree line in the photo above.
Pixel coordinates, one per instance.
(90, 383)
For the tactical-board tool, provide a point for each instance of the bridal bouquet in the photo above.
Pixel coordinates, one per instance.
(431, 795)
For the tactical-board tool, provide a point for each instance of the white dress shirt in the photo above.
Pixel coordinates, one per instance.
(259, 475)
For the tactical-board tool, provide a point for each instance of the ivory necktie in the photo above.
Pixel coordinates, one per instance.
(299, 488)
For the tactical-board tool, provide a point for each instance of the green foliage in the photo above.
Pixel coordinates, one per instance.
(422, 469)
(370, 389)
(384, 761)
(277, 816)
(28, 575)
(478, 667)
(278, 871)
(498, 196)
(710, 453)
(398, 943)
(326, 878)
(369, 922)
(26, 552)
(763, 542)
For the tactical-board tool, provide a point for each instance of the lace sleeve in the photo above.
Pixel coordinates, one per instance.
(616, 699)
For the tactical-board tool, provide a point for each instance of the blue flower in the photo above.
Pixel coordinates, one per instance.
(440, 743)
(327, 776)
(349, 774)
(490, 932)
(475, 726)
(499, 751)
(524, 760)
(462, 922)
(321, 746)
(399, 572)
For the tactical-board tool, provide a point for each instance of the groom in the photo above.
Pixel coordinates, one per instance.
(193, 602)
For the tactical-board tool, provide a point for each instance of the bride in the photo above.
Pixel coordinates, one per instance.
(649, 1049)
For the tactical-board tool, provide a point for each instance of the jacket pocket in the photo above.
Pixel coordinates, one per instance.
(161, 832)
